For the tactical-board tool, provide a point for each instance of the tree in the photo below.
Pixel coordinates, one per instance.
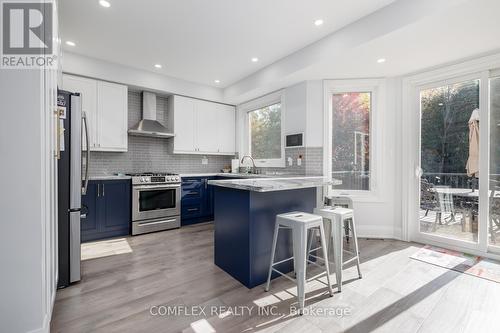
(445, 113)
(351, 138)
(265, 131)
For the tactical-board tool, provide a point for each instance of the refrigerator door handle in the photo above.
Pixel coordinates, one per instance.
(87, 153)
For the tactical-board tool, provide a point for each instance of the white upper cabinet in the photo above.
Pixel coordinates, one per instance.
(106, 107)
(201, 127)
(88, 92)
(226, 135)
(207, 127)
(184, 122)
(113, 116)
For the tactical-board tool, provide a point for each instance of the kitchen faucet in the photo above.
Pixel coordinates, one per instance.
(253, 163)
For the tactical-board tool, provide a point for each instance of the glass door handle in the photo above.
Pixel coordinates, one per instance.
(418, 172)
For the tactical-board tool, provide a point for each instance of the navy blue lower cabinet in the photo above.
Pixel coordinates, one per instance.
(107, 207)
(196, 200)
(88, 225)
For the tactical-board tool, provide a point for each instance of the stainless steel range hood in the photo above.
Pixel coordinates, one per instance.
(149, 126)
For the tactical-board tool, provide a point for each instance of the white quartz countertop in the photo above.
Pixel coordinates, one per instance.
(274, 184)
(234, 175)
(109, 177)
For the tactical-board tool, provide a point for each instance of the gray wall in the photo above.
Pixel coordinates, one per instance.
(23, 205)
(151, 154)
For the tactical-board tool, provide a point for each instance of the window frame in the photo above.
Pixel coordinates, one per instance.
(244, 119)
(377, 89)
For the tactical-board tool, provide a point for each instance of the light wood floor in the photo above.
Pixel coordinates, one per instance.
(175, 268)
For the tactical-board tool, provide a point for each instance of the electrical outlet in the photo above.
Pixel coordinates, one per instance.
(204, 160)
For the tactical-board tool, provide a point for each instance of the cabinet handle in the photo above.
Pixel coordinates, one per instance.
(98, 190)
(206, 184)
(102, 189)
(192, 209)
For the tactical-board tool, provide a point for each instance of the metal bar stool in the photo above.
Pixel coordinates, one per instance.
(340, 218)
(300, 224)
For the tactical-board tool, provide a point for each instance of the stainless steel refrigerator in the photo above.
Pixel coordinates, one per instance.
(72, 126)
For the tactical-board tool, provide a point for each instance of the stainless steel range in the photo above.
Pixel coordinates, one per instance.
(156, 202)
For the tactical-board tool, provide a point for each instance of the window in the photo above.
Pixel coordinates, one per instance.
(351, 139)
(265, 132)
(353, 154)
(261, 123)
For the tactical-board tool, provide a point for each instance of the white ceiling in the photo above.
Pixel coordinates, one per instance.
(458, 30)
(200, 40)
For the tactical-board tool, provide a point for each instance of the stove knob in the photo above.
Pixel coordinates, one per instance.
(169, 179)
(176, 179)
(143, 179)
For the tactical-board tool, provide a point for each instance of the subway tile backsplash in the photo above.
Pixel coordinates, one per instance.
(147, 154)
(151, 154)
(312, 162)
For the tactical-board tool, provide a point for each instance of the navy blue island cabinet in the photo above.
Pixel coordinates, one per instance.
(107, 207)
(244, 226)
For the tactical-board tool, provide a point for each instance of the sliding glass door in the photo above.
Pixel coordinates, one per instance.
(449, 160)
(458, 164)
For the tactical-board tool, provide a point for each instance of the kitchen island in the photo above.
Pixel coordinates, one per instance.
(244, 216)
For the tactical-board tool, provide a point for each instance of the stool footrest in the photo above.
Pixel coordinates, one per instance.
(283, 274)
(350, 260)
(282, 261)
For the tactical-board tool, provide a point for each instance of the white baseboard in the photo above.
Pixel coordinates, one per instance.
(48, 316)
(374, 231)
(45, 328)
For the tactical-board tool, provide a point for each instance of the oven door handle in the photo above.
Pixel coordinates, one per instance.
(156, 222)
(155, 187)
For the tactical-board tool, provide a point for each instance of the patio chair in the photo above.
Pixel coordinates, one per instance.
(428, 199)
(494, 218)
(432, 200)
(446, 205)
(468, 207)
(494, 226)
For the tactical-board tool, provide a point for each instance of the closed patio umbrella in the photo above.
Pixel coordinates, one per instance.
(473, 161)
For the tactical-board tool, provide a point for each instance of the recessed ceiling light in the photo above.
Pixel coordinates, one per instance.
(255, 59)
(70, 43)
(158, 65)
(440, 104)
(381, 60)
(318, 22)
(216, 81)
(104, 3)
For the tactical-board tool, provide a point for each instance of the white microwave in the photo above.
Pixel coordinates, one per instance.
(294, 140)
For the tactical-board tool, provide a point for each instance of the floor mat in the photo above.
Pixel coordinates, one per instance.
(460, 262)
(105, 248)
